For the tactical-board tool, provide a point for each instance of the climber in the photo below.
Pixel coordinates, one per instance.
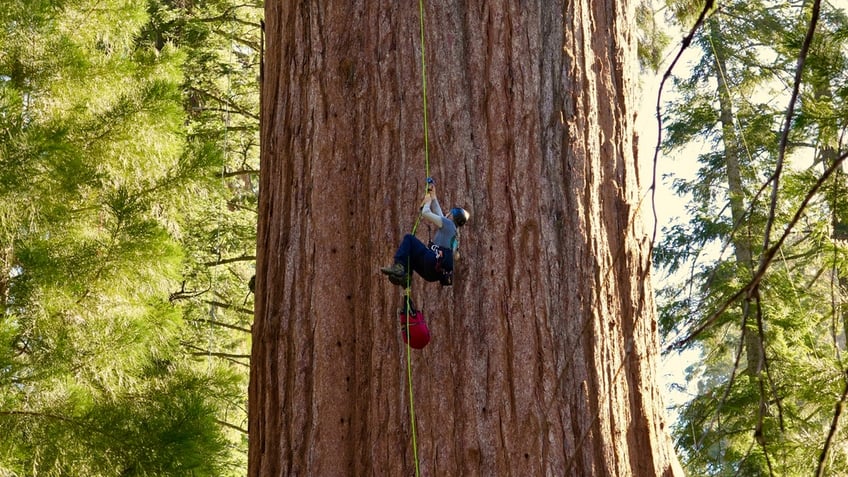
(434, 262)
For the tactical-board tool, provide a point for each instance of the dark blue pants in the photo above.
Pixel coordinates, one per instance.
(413, 254)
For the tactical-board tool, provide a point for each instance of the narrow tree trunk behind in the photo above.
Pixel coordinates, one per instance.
(836, 198)
(543, 354)
(754, 351)
(839, 224)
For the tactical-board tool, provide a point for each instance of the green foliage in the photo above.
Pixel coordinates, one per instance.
(128, 172)
(157, 426)
(754, 416)
(651, 39)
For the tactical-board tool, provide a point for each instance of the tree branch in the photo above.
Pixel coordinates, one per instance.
(182, 294)
(233, 107)
(231, 426)
(227, 306)
(684, 45)
(834, 425)
(231, 357)
(790, 112)
(242, 258)
(241, 172)
(41, 415)
(768, 257)
(223, 325)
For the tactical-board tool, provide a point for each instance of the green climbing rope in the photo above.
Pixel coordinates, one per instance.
(408, 291)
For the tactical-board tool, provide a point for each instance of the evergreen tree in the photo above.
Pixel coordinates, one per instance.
(112, 180)
(772, 372)
(221, 41)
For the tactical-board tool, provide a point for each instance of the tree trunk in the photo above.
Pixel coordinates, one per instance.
(543, 356)
(6, 265)
(840, 236)
(835, 193)
(754, 351)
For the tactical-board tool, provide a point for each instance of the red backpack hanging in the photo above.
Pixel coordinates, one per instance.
(413, 328)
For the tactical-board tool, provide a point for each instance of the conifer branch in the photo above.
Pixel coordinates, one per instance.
(231, 426)
(222, 324)
(241, 172)
(759, 435)
(228, 306)
(768, 258)
(765, 361)
(730, 382)
(224, 261)
(46, 415)
(790, 112)
(231, 105)
(231, 357)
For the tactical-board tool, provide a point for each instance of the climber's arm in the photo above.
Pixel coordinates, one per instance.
(427, 209)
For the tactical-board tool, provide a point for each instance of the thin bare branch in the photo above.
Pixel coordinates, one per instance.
(231, 426)
(787, 125)
(834, 426)
(223, 325)
(224, 261)
(233, 358)
(231, 106)
(227, 306)
(684, 45)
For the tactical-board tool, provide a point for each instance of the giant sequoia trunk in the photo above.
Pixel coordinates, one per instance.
(544, 350)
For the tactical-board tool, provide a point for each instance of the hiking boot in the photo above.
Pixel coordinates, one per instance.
(399, 281)
(397, 270)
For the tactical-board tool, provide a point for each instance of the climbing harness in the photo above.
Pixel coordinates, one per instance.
(445, 272)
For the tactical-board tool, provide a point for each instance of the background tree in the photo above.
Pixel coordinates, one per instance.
(771, 366)
(222, 44)
(114, 361)
(543, 356)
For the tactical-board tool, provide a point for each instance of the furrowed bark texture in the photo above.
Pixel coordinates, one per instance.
(542, 360)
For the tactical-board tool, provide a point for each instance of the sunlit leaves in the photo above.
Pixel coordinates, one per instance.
(112, 200)
(753, 416)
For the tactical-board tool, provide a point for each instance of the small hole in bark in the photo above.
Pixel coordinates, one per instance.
(348, 297)
(339, 344)
(333, 250)
(526, 455)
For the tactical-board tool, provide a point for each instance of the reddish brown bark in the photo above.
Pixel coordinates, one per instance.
(543, 352)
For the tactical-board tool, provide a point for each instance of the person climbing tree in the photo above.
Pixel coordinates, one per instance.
(433, 262)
